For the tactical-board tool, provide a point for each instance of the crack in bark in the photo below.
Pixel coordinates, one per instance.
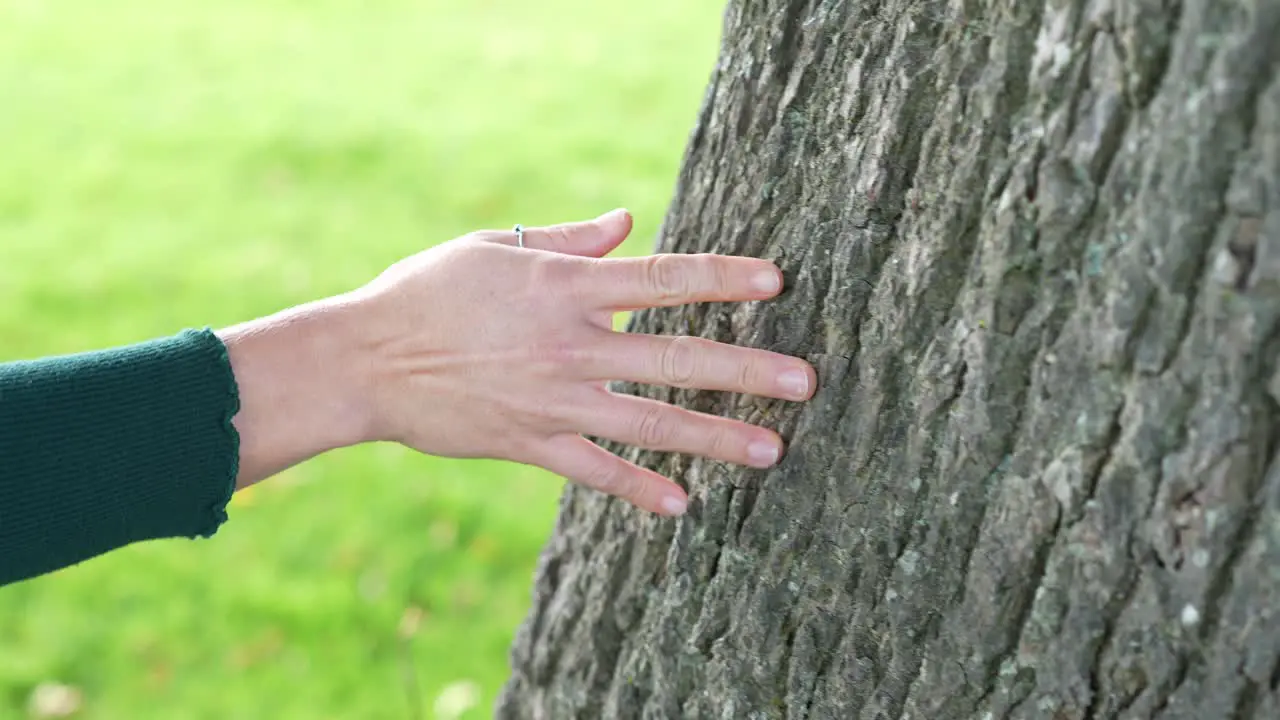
(1222, 582)
(549, 583)
(972, 538)
(1160, 63)
(1114, 610)
(1247, 701)
(1040, 563)
(1114, 429)
(1167, 690)
(1128, 702)
(790, 626)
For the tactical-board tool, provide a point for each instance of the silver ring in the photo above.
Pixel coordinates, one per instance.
(520, 235)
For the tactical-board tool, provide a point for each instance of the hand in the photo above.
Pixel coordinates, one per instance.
(484, 349)
(479, 348)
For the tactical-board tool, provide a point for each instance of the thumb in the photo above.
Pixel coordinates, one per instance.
(591, 238)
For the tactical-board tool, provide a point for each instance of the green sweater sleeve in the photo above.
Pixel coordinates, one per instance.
(102, 449)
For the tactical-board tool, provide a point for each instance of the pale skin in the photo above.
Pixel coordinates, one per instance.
(478, 348)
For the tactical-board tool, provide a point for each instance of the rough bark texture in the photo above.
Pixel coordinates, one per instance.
(1033, 248)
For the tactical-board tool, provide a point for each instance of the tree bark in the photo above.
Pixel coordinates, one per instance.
(1033, 249)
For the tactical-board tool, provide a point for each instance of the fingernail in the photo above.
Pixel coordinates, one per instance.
(766, 281)
(763, 454)
(794, 383)
(615, 214)
(672, 505)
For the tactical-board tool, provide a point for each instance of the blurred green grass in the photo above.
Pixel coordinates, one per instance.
(186, 163)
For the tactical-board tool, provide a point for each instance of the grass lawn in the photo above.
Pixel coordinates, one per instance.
(187, 163)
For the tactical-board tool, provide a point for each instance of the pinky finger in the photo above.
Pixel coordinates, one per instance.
(581, 461)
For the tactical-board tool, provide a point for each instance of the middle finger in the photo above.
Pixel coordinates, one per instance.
(692, 362)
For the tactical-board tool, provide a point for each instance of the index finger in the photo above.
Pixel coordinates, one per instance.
(667, 279)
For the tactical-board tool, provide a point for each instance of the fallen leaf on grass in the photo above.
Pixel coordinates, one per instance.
(455, 699)
(54, 700)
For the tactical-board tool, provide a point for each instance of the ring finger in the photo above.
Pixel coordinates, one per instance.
(659, 426)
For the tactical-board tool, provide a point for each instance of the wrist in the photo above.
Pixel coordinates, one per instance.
(304, 378)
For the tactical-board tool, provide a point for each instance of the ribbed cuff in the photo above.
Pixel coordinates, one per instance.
(102, 449)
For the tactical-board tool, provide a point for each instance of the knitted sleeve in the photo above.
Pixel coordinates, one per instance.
(106, 448)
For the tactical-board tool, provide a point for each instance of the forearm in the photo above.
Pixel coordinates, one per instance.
(299, 374)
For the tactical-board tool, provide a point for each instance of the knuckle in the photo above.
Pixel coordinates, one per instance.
(613, 479)
(653, 428)
(748, 375)
(559, 235)
(721, 284)
(679, 361)
(604, 477)
(559, 276)
(719, 443)
(544, 272)
(626, 486)
(666, 276)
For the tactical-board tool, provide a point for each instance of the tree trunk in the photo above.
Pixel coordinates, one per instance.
(1033, 249)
